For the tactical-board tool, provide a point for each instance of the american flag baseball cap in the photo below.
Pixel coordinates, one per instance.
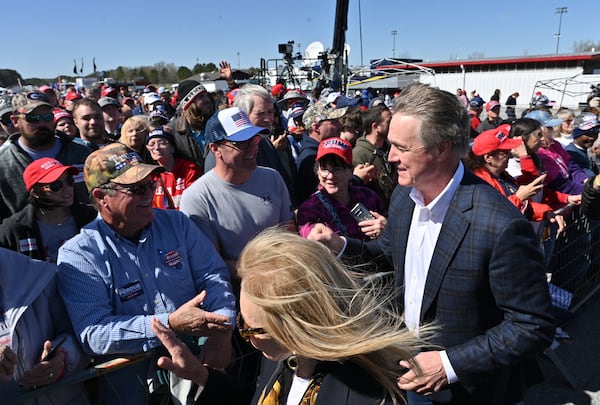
(231, 124)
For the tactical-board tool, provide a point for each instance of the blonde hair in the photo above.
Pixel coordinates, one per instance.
(138, 122)
(319, 309)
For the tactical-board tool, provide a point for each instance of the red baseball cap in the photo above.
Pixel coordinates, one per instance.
(45, 170)
(73, 96)
(336, 146)
(491, 104)
(59, 113)
(494, 139)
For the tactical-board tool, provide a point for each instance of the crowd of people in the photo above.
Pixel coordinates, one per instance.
(162, 224)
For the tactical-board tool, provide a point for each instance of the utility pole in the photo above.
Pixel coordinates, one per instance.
(360, 34)
(561, 11)
(394, 33)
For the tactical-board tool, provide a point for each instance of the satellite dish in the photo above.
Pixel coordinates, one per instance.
(311, 53)
(347, 50)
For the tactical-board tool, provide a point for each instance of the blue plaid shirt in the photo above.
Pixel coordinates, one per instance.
(113, 287)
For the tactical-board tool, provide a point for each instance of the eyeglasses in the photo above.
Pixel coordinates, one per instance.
(158, 143)
(247, 333)
(334, 170)
(134, 189)
(243, 145)
(57, 185)
(35, 118)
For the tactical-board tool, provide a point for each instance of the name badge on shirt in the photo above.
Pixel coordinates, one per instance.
(130, 291)
(27, 245)
(172, 258)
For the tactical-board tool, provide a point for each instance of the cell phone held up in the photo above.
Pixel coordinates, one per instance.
(361, 213)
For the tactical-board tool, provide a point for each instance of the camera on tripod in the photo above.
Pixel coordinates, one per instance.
(286, 49)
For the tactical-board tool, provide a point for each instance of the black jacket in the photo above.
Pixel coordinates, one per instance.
(23, 225)
(590, 200)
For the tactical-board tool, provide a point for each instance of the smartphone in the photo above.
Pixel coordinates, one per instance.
(54, 349)
(361, 213)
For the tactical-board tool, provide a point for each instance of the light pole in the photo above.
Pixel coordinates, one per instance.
(394, 33)
(561, 11)
(360, 33)
(238, 58)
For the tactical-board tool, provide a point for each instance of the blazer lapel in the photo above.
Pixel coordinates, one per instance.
(453, 231)
(402, 216)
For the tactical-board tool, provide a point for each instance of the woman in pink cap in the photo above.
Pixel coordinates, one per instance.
(50, 217)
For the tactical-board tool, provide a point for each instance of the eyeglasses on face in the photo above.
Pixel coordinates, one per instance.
(326, 171)
(245, 332)
(35, 118)
(155, 144)
(243, 145)
(57, 185)
(133, 189)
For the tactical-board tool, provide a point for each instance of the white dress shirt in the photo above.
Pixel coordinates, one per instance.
(424, 231)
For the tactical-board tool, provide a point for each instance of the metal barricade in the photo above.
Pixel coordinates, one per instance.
(574, 267)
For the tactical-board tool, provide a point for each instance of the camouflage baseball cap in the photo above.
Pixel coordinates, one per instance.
(115, 163)
(318, 112)
(25, 103)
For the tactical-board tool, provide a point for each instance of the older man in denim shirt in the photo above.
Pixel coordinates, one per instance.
(133, 263)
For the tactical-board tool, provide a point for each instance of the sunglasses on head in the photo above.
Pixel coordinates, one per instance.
(245, 332)
(34, 118)
(57, 185)
(134, 189)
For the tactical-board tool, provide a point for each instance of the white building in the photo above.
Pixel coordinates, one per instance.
(564, 78)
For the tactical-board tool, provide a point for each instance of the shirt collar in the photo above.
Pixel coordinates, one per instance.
(439, 206)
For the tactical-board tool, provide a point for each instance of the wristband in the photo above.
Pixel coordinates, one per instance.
(597, 182)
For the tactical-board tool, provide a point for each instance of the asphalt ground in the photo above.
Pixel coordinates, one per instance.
(572, 371)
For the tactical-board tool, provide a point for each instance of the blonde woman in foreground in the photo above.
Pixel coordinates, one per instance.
(334, 338)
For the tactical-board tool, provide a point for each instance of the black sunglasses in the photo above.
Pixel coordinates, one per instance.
(34, 118)
(247, 333)
(57, 185)
(243, 145)
(134, 189)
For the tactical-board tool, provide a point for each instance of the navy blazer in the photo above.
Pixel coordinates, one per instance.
(485, 289)
(343, 384)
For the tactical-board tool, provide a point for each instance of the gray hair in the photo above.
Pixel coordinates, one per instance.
(244, 97)
(443, 118)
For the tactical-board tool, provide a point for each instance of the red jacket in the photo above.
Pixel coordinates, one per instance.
(532, 210)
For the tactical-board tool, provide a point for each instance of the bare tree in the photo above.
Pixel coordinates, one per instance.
(586, 46)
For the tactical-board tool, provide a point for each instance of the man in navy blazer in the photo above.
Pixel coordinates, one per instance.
(464, 258)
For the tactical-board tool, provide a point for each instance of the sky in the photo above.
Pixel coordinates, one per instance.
(42, 38)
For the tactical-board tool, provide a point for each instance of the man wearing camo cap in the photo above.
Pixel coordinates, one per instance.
(35, 138)
(134, 263)
(320, 123)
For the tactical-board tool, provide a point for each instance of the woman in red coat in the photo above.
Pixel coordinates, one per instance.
(488, 159)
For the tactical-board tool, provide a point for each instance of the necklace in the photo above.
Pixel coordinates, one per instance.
(49, 219)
